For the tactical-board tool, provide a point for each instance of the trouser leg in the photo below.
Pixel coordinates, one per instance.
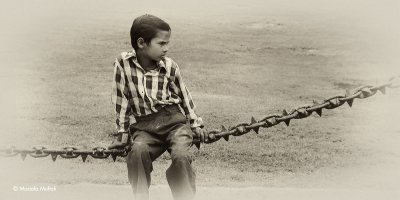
(144, 150)
(180, 175)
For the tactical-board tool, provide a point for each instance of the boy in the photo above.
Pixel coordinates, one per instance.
(149, 96)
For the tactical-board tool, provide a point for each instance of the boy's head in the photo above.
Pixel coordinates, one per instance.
(147, 27)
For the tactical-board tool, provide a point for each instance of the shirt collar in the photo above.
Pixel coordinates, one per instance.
(132, 54)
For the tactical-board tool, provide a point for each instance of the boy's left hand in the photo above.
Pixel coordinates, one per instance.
(201, 133)
(121, 140)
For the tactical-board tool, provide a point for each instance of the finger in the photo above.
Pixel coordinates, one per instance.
(206, 135)
(196, 134)
(115, 145)
(201, 136)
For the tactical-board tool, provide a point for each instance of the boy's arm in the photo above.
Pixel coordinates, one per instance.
(187, 101)
(120, 96)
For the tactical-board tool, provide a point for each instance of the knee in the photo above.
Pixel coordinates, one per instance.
(139, 154)
(181, 157)
(138, 148)
(180, 166)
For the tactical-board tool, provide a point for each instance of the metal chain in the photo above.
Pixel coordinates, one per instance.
(215, 135)
(66, 152)
(303, 111)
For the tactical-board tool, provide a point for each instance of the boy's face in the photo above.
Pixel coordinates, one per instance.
(158, 46)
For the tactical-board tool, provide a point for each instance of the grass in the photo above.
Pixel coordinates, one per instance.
(238, 68)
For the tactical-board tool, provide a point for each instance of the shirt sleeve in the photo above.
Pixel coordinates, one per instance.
(187, 101)
(120, 98)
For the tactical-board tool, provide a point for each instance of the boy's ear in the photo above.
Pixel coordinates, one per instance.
(141, 43)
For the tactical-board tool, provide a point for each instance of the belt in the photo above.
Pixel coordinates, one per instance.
(166, 110)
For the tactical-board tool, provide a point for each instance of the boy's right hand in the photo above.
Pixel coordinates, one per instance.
(120, 141)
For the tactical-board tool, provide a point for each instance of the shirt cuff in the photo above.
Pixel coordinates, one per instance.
(122, 129)
(197, 122)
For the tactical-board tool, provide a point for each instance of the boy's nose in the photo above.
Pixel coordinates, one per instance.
(165, 49)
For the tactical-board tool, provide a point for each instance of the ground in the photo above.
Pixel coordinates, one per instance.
(239, 59)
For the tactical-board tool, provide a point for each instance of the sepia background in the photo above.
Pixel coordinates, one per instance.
(239, 59)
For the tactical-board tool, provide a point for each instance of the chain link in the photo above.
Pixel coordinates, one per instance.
(215, 135)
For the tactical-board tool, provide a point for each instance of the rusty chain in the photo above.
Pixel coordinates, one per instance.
(215, 135)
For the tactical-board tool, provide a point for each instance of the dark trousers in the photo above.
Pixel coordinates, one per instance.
(152, 136)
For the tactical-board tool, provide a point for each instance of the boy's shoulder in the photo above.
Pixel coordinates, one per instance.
(125, 55)
(121, 57)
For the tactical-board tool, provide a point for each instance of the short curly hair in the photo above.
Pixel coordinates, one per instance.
(146, 27)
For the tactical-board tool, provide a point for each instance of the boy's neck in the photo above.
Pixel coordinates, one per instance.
(146, 63)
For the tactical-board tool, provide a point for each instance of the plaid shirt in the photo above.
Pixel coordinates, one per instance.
(137, 92)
